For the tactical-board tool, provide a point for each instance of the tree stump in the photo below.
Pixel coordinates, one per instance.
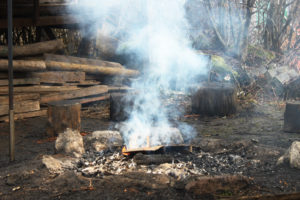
(292, 117)
(120, 106)
(63, 115)
(215, 99)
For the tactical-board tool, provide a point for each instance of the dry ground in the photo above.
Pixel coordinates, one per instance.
(27, 178)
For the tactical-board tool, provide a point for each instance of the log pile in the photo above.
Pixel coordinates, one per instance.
(47, 78)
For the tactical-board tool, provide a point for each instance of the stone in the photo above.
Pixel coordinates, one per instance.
(101, 140)
(70, 142)
(52, 164)
(292, 156)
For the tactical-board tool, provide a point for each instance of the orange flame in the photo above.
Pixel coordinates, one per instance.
(124, 149)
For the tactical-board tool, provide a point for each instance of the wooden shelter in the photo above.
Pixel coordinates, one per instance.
(39, 13)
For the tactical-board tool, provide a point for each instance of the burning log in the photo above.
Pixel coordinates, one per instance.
(63, 115)
(292, 117)
(34, 49)
(23, 65)
(215, 99)
(158, 159)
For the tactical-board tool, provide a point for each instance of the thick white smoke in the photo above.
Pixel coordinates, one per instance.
(155, 31)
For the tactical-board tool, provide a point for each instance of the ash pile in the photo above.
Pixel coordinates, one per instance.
(104, 156)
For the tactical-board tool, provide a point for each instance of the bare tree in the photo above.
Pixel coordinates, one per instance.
(227, 22)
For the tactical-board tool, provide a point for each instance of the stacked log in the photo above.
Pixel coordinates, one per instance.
(48, 78)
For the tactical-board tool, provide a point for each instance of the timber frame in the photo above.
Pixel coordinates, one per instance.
(53, 13)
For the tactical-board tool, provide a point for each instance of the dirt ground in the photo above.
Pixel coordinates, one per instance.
(261, 127)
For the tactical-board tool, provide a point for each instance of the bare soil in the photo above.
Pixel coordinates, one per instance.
(253, 134)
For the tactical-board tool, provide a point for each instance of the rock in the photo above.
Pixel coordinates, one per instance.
(52, 164)
(12, 180)
(292, 156)
(101, 140)
(70, 142)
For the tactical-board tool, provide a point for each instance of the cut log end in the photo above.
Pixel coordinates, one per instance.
(63, 115)
(215, 99)
(292, 117)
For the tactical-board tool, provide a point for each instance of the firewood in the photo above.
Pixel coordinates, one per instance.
(93, 69)
(34, 49)
(94, 90)
(78, 60)
(19, 98)
(23, 81)
(39, 89)
(20, 107)
(142, 159)
(63, 115)
(23, 65)
(59, 77)
(18, 116)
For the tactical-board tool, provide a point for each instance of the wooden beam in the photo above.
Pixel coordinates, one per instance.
(34, 49)
(20, 107)
(19, 98)
(42, 21)
(23, 81)
(59, 76)
(23, 65)
(93, 69)
(18, 116)
(39, 89)
(94, 90)
(78, 60)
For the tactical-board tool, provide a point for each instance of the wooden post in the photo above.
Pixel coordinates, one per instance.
(63, 115)
(121, 106)
(215, 99)
(292, 117)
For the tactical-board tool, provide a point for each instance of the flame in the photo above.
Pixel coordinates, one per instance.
(124, 149)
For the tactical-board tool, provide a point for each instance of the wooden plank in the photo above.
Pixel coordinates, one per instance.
(18, 116)
(23, 81)
(19, 98)
(20, 107)
(94, 90)
(59, 76)
(119, 89)
(93, 99)
(145, 149)
(85, 83)
(39, 89)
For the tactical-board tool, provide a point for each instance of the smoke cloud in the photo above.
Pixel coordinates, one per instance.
(156, 32)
